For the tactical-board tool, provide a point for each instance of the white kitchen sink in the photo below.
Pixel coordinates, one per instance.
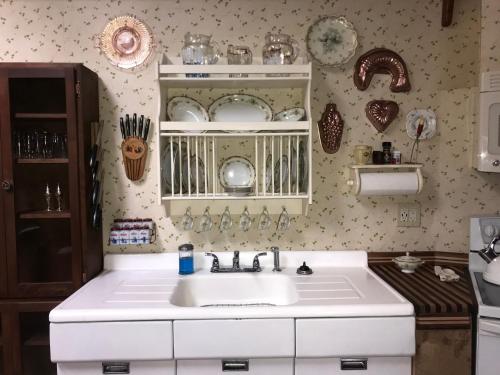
(234, 289)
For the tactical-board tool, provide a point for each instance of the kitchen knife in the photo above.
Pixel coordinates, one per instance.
(127, 125)
(122, 127)
(141, 125)
(146, 130)
(134, 125)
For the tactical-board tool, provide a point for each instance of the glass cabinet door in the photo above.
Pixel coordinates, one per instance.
(2, 343)
(39, 143)
(35, 349)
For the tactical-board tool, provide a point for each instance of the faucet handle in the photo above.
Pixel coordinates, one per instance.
(256, 263)
(215, 263)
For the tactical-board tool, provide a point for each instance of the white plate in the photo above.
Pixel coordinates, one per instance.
(240, 108)
(291, 114)
(185, 109)
(166, 168)
(429, 118)
(332, 41)
(303, 167)
(236, 172)
(192, 167)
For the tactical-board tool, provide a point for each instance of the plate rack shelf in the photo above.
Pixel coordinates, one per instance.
(280, 152)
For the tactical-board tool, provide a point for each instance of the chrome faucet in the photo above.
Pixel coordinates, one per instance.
(236, 260)
(276, 252)
(489, 253)
(216, 268)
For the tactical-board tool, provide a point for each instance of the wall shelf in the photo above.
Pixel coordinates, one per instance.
(20, 115)
(43, 161)
(264, 144)
(45, 215)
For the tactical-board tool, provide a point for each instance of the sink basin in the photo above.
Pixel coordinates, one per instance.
(234, 290)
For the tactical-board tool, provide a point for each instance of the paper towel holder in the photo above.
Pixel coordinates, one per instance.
(355, 180)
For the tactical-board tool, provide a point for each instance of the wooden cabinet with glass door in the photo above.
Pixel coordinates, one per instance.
(46, 112)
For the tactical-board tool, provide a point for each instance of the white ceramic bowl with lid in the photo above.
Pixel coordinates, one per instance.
(408, 263)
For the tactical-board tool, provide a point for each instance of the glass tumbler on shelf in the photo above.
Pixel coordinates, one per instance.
(238, 55)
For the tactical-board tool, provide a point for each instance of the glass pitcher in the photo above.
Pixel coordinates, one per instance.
(199, 50)
(279, 49)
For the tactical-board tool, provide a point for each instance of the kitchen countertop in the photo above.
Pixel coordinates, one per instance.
(139, 287)
(436, 303)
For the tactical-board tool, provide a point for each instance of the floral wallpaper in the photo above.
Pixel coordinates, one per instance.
(444, 66)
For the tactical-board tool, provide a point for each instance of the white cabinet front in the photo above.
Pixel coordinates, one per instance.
(354, 366)
(247, 338)
(267, 366)
(116, 368)
(319, 338)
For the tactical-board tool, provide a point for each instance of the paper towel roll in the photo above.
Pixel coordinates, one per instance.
(388, 183)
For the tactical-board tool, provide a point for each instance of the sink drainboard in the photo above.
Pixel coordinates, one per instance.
(238, 304)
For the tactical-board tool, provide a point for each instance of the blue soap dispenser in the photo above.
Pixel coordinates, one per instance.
(186, 264)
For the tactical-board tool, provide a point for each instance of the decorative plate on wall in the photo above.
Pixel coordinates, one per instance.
(429, 126)
(127, 42)
(332, 41)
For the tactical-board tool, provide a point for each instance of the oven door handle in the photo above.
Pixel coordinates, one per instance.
(489, 328)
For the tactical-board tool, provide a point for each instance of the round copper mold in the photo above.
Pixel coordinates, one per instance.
(382, 61)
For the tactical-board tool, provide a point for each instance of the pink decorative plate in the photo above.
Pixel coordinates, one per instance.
(127, 42)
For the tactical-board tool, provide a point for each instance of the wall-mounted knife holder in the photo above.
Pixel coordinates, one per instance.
(135, 152)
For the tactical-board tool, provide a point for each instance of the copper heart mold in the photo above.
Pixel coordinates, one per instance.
(381, 113)
(331, 127)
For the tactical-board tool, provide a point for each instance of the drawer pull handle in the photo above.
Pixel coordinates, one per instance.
(235, 365)
(354, 364)
(116, 368)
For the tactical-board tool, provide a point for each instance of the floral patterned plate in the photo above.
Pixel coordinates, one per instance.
(183, 108)
(332, 41)
(291, 114)
(240, 108)
(236, 171)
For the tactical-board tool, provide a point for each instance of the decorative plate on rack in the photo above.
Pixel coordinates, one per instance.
(332, 41)
(236, 171)
(127, 42)
(240, 107)
(184, 108)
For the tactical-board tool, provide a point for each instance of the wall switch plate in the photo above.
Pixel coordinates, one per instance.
(408, 215)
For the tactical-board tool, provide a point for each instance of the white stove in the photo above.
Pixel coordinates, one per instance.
(482, 229)
(131, 319)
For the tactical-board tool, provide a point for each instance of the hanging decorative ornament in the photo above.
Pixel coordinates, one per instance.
(382, 61)
(381, 113)
(332, 41)
(127, 42)
(331, 127)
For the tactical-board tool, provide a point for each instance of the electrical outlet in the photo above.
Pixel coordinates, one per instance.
(408, 215)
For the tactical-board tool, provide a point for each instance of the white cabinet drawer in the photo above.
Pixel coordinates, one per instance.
(107, 341)
(247, 338)
(333, 366)
(134, 368)
(274, 366)
(355, 337)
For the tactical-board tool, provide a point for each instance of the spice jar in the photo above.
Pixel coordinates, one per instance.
(386, 149)
(396, 157)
